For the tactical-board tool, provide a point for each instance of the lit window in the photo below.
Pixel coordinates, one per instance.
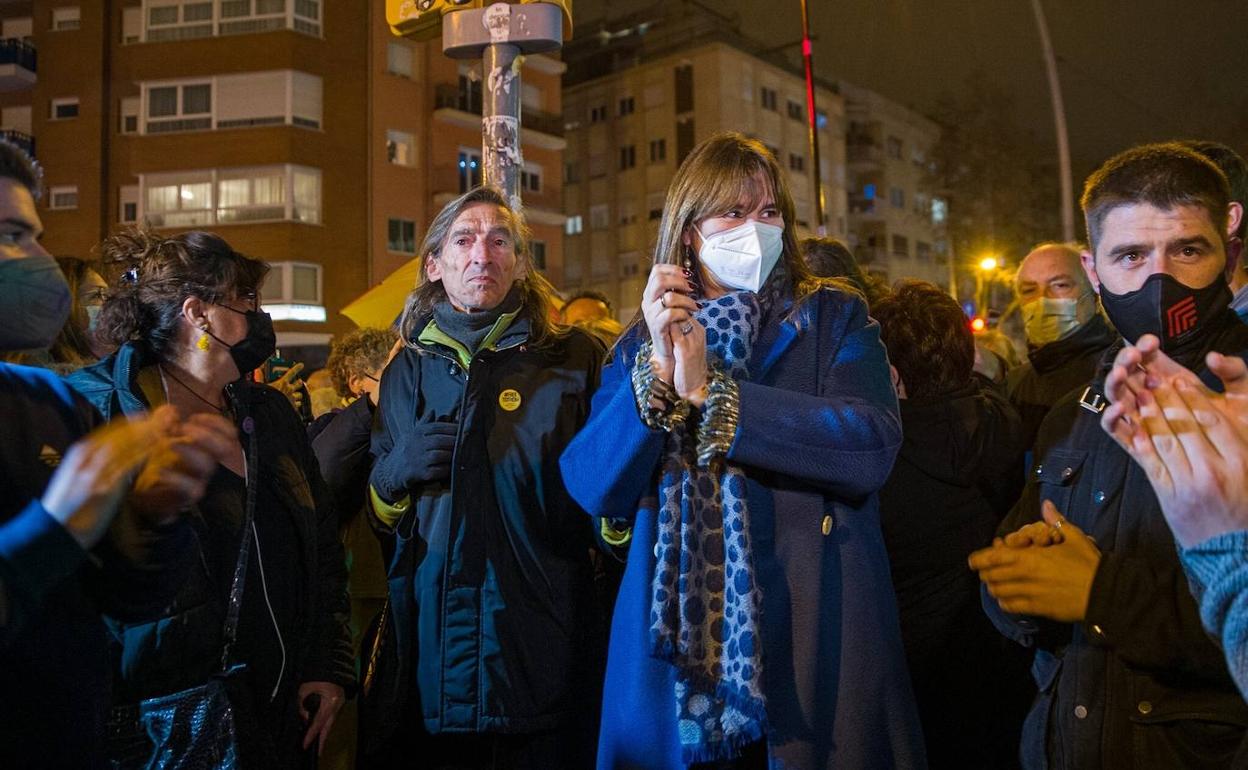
(399, 59)
(574, 225)
(292, 292)
(599, 216)
(401, 236)
(66, 18)
(232, 196)
(400, 148)
(64, 108)
(62, 198)
(469, 169)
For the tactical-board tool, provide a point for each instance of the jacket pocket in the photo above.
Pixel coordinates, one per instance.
(1173, 728)
(1057, 474)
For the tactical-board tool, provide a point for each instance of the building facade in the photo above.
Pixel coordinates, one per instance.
(301, 131)
(638, 97)
(896, 223)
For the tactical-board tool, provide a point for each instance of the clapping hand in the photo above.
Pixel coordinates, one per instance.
(1190, 441)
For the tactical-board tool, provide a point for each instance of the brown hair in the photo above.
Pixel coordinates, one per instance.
(538, 293)
(927, 337)
(73, 346)
(360, 352)
(155, 275)
(1163, 175)
(711, 181)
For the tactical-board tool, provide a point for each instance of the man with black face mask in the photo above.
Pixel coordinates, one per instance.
(1127, 676)
(79, 533)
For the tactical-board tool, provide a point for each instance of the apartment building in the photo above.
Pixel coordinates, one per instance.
(639, 96)
(896, 223)
(302, 131)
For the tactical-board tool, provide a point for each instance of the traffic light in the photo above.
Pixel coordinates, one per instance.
(422, 19)
(978, 324)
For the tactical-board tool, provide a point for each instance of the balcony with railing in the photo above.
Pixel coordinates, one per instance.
(18, 64)
(448, 96)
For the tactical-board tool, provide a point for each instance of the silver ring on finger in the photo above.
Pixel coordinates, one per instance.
(663, 298)
(686, 327)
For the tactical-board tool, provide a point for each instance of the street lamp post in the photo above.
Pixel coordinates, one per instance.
(1059, 121)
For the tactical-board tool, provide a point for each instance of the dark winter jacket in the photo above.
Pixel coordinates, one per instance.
(957, 474)
(817, 435)
(491, 590)
(54, 678)
(1054, 370)
(1138, 683)
(292, 496)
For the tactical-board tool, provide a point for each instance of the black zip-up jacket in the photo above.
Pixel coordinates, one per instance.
(55, 678)
(320, 648)
(1054, 370)
(491, 585)
(1137, 684)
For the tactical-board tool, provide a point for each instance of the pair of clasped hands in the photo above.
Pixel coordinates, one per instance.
(679, 340)
(157, 465)
(1192, 444)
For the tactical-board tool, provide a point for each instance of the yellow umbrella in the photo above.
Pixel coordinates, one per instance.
(381, 305)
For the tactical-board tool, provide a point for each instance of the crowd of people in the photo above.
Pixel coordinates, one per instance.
(784, 517)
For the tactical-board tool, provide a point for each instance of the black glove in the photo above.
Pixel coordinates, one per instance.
(419, 456)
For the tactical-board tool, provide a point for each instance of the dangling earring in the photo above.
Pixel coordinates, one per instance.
(202, 343)
(688, 263)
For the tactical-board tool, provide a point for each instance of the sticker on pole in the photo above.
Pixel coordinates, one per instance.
(497, 20)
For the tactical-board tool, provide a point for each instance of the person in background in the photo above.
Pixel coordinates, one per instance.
(585, 307)
(1066, 334)
(1127, 676)
(1236, 170)
(185, 315)
(90, 517)
(75, 345)
(341, 440)
(492, 607)
(322, 396)
(743, 426)
(957, 474)
(831, 258)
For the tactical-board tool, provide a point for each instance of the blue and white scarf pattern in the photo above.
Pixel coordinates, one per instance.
(706, 603)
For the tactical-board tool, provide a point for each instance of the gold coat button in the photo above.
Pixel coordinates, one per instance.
(1145, 707)
(1081, 712)
(826, 527)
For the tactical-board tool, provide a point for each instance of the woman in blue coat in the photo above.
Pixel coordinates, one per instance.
(742, 428)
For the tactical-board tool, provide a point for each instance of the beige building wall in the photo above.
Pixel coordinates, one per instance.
(628, 131)
(895, 219)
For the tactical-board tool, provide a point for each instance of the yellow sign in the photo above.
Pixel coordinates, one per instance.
(509, 400)
(422, 19)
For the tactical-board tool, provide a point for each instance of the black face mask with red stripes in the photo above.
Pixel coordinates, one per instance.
(1180, 316)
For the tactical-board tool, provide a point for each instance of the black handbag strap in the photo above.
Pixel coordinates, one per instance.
(230, 631)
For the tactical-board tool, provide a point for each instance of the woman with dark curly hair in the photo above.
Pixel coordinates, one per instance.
(186, 316)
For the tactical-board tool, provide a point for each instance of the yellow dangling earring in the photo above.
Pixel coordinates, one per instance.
(202, 343)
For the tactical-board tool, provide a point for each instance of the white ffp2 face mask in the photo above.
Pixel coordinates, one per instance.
(743, 257)
(1048, 319)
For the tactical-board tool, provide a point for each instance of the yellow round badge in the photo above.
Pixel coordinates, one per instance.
(509, 400)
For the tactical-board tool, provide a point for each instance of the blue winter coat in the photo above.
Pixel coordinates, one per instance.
(817, 436)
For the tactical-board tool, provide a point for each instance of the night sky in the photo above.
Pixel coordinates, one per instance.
(1131, 70)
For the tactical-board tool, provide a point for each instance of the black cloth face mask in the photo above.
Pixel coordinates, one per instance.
(1180, 316)
(259, 344)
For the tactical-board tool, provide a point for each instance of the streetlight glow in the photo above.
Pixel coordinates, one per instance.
(988, 264)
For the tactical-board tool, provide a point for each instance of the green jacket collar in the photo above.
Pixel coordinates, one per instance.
(432, 335)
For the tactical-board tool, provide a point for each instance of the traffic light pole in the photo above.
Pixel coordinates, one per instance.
(499, 35)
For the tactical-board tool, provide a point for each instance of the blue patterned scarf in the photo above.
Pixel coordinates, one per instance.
(706, 603)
